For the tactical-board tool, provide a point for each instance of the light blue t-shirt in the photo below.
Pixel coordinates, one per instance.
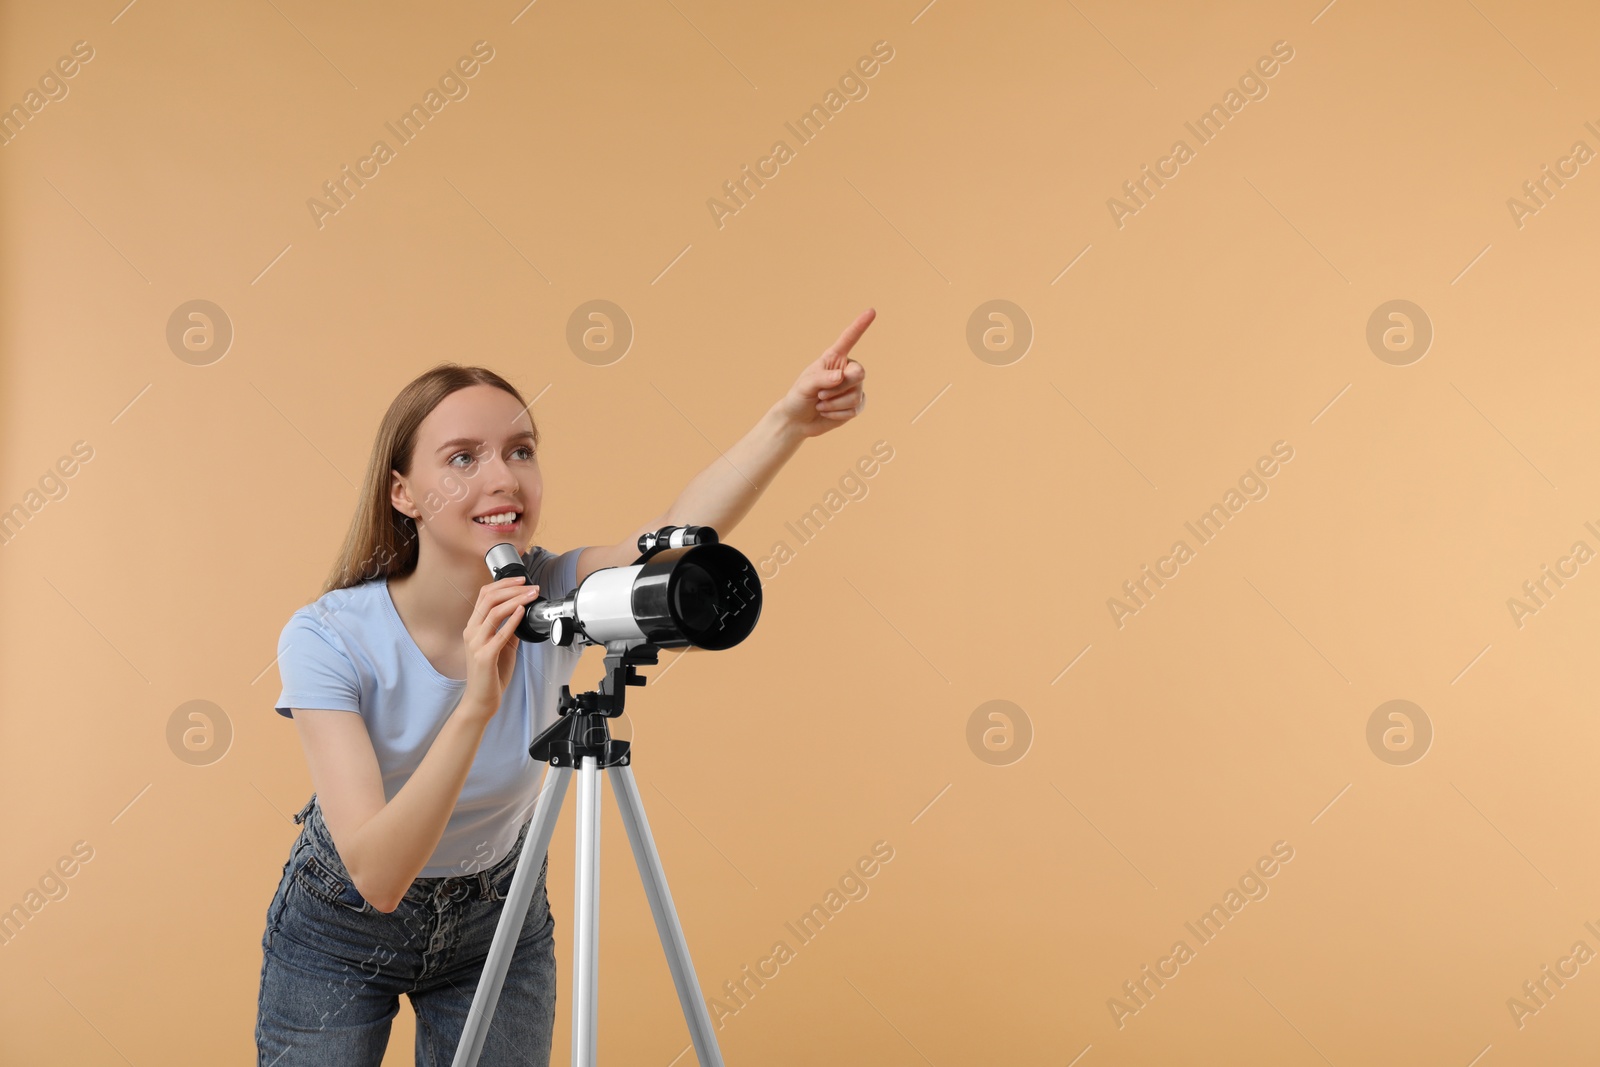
(350, 651)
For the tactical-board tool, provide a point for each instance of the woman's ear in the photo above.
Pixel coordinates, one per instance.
(400, 496)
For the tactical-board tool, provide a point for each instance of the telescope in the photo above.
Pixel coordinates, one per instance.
(686, 588)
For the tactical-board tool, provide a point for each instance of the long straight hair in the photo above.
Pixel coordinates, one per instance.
(382, 541)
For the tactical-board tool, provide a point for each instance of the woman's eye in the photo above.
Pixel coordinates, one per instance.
(524, 449)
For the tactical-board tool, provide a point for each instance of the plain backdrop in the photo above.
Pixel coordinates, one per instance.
(1046, 849)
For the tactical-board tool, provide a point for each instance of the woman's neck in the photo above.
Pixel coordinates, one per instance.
(437, 596)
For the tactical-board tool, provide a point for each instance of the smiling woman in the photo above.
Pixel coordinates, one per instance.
(416, 705)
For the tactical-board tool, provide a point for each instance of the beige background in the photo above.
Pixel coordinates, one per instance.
(1230, 313)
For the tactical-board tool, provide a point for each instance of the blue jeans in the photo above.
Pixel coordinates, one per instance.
(333, 966)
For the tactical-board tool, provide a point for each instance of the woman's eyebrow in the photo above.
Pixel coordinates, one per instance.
(522, 435)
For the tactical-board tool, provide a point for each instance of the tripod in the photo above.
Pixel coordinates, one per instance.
(581, 739)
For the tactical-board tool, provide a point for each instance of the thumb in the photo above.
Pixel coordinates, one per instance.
(819, 377)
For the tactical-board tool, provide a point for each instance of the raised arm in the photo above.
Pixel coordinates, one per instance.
(827, 394)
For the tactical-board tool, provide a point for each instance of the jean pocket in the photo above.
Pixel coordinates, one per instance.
(328, 885)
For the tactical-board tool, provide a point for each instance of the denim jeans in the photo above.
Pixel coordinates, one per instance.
(333, 966)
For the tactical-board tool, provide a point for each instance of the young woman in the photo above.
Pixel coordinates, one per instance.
(416, 703)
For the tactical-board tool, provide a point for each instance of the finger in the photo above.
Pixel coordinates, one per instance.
(493, 647)
(504, 635)
(494, 651)
(840, 416)
(854, 375)
(495, 591)
(515, 602)
(510, 581)
(842, 402)
(507, 607)
(852, 383)
(820, 375)
(847, 340)
(506, 662)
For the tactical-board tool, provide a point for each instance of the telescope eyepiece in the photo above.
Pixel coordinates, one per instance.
(505, 561)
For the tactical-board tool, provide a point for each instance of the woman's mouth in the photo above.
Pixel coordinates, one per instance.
(505, 520)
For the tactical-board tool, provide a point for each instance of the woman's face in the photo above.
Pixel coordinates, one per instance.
(474, 459)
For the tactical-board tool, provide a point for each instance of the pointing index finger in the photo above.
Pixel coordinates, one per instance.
(838, 353)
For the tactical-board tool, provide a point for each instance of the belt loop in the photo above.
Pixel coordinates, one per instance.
(483, 885)
(304, 812)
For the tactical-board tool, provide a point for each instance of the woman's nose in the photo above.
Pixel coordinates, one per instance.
(500, 476)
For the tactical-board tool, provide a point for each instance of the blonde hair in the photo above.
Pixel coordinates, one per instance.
(382, 541)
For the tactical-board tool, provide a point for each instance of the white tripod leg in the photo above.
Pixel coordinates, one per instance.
(586, 924)
(672, 941)
(534, 847)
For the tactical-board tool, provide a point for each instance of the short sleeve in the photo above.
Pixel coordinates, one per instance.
(555, 575)
(316, 672)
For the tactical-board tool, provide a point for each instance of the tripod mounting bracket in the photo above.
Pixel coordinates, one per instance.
(582, 728)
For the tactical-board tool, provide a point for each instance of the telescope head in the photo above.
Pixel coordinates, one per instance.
(698, 593)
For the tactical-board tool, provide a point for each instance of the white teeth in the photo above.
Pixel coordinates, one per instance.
(503, 519)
